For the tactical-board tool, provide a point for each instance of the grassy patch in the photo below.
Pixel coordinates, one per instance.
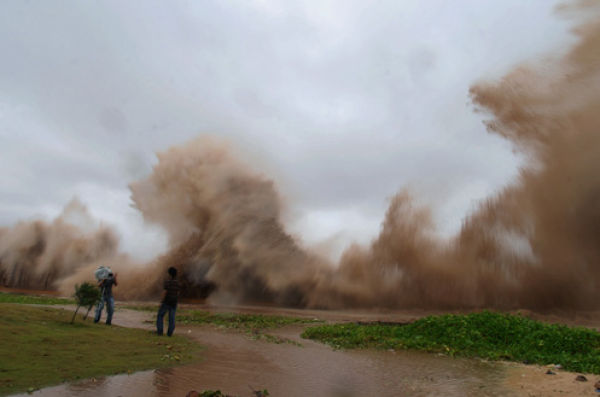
(246, 322)
(278, 340)
(252, 324)
(40, 348)
(487, 335)
(33, 299)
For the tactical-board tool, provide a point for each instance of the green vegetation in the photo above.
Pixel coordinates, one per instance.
(248, 322)
(33, 300)
(86, 295)
(211, 393)
(245, 322)
(39, 347)
(488, 335)
(275, 339)
(252, 324)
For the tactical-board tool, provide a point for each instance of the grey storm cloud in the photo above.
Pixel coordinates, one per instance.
(344, 102)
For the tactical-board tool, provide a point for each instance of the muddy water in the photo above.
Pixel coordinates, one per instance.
(332, 374)
(235, 364)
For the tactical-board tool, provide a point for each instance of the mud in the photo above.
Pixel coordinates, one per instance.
(234, 363)
(532, 381)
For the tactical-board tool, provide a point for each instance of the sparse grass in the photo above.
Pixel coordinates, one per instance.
(217, 393)
(278, 340)
(245, 322)
(487, 335)
(252, 324)
(34, 299)
(40, 348)
(212, 393)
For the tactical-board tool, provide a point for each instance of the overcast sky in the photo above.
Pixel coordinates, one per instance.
(346, 102)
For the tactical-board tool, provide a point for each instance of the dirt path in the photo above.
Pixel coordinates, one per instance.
(235, 363)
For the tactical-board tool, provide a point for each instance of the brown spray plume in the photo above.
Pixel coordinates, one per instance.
(536, 244)
(39, 255)
(224, 225)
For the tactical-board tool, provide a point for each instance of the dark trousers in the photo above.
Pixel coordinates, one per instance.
(110, 309)
(164, 308)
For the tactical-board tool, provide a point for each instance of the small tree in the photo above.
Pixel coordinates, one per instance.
(86, 295)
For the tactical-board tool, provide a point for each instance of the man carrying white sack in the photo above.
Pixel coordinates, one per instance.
(106, 281)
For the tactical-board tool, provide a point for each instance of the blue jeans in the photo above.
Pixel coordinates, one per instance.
(110, 309)
(160, 318)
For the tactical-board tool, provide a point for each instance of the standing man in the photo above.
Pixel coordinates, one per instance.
(168, 303)
(106, 287)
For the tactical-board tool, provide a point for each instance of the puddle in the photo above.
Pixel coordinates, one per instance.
(235, 364)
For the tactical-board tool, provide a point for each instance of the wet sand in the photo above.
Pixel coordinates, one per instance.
(532, 381)
(235, 364)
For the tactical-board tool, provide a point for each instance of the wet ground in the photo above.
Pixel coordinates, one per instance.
(237, 364)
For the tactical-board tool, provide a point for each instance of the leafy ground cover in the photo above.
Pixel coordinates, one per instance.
(6, 297)
(487, 335)
(39, 347)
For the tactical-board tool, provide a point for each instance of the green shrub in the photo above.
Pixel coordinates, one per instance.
(86, 295)
(212, 393)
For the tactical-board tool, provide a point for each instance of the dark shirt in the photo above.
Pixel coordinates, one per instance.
(106, 286)
(172, 288)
